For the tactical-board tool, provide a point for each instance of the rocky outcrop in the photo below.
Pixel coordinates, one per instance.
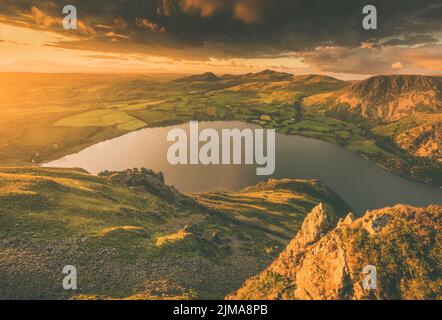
(149, 181)
(326, 259)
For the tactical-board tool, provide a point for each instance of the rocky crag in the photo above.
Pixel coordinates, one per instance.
(327, 257)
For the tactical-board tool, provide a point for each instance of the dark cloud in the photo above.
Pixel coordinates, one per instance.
(197, 29)
(411, 40)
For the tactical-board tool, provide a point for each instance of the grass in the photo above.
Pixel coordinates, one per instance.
(172, 238)
(122, 239)
(406, 255)
(102, 118)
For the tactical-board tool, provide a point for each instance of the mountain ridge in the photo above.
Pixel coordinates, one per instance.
(386, 98)
(327, 257)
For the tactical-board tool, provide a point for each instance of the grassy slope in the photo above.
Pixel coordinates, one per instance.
(129, 243)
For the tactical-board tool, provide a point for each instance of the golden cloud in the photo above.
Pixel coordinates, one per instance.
(42, 19)
(146, 23)
(205, 7)
(248, 11)
(426, 57)
(397, 65)
(116, 36)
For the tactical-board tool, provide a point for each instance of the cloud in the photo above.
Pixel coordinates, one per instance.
(326, 34)
(41, 19)
(426, 57)
(411, 40)
(397, 65)
(248, 11)
(205, 8)
(149, 25)
(375, 60)
(115, 36)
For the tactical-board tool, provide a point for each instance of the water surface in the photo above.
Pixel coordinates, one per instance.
(360, 182)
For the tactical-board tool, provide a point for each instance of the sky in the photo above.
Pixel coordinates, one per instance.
(222, 36)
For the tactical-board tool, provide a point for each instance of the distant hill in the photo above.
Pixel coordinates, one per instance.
(327, 257)
(266, 75)
(267, 86)
(207, 76)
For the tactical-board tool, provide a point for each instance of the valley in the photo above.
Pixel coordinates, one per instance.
(209, 150)
(133, 236)
(71, 112)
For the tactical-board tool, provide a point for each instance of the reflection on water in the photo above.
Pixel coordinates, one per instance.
(360, 182)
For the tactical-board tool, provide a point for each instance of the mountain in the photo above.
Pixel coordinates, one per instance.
(207, 76)
(265, 75)
(407, 109)
(327, 257)
(386, 98)
(132, 236)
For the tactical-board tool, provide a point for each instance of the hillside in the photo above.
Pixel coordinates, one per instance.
(424, 140)
(404, 109)
(386, 98)
(131, 236)
(326, 258)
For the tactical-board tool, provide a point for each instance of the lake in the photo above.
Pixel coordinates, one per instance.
(360, 182)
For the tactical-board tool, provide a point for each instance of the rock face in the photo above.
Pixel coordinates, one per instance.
(327, 257)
